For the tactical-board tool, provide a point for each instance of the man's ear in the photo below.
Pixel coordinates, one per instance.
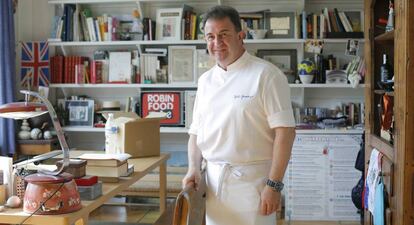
(242, 35)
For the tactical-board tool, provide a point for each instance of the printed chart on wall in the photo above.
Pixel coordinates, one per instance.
(320, 177)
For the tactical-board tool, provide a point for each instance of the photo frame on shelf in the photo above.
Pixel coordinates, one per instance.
(80, 112)
(181, 64)
(280, 24)
(168, 26)
(284, 59)
(204, 62)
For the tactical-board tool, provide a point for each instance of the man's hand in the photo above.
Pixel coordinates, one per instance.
(192, 179)
(269, 201)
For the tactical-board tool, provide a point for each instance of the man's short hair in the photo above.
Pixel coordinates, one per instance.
(220, 12)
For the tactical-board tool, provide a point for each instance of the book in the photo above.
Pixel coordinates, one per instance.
(109, 160)
(107, 171)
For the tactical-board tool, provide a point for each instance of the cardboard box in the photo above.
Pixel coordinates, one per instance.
(139, 137)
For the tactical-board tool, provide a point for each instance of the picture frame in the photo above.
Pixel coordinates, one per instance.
(80, 112)
(168, 26)
(284, 59)
(204, 62)
(181, 64)
(280, 24)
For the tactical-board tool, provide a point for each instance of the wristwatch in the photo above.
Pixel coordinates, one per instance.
(275, 185)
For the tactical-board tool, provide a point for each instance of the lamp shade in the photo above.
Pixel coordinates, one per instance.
(22, 110)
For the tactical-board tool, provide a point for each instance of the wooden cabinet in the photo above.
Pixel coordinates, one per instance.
(397, 145)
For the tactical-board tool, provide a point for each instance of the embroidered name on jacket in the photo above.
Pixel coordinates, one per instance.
(243, 97)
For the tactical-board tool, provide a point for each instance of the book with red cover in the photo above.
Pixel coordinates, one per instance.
(86, 180)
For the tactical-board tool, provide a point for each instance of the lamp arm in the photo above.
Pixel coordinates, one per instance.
(59, 133)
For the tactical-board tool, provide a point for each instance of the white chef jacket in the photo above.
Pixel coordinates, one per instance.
(234, 115)
(235, 110)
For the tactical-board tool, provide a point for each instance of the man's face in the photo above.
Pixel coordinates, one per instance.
(224, 43)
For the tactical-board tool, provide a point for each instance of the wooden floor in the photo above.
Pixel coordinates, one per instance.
(146, 214)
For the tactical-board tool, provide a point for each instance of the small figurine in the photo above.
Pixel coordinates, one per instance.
(390, 23)
(24, 133)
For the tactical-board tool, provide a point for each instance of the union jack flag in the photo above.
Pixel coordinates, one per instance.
(35, 64)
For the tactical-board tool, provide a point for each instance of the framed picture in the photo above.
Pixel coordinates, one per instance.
(280, 24)
(284, 59)
(169, 102)
(168, 26)
(80, 112)
(181, 64)
(204, 62)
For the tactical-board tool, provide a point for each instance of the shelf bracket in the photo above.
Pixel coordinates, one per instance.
(139, 49)
(64, 92)
(63, 50)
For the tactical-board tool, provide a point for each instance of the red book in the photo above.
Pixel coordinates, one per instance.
(86, 180)
(96, 72)
(59, 68)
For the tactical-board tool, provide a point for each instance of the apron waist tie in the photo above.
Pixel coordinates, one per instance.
(229, 168)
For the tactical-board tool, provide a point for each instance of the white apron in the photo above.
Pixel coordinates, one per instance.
(233, 194)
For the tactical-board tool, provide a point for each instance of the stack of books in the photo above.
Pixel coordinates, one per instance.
(107, 167)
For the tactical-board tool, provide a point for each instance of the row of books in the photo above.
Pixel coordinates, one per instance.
(77, 24)
(67, 69)
(330, 24)
(357, 64)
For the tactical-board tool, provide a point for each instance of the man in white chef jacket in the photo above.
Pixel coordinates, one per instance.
(243, 126)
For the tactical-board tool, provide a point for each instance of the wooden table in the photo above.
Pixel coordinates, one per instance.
(142, 166)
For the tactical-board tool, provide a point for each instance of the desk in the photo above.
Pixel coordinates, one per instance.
(142, 166)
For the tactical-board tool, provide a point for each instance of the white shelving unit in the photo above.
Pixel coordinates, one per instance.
(303, 95)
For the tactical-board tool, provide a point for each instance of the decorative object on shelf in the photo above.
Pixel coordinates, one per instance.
(34, 64)
(168, 26)
(390, 23)
(204, 62)
(306, 67)
(36, 134)
(258, 33)
(314, 46)
(284, 59)
(24, 133)
(80, 112)
(354, 79)
(336, 77)
(181, 64)
(352, 47)
(306, 70)
(280, 24)
(47, 135)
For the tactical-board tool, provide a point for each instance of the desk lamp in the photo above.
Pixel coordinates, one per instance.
(47, 192)
(25, 110)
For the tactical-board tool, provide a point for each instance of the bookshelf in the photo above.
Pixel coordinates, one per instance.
(174, 139)
(397, 151)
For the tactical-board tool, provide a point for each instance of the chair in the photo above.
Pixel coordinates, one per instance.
(190, 205)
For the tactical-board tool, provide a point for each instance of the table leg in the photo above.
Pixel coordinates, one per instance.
(163, 187)
(83, 220)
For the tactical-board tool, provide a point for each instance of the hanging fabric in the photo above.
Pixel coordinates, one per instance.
(7, 75)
